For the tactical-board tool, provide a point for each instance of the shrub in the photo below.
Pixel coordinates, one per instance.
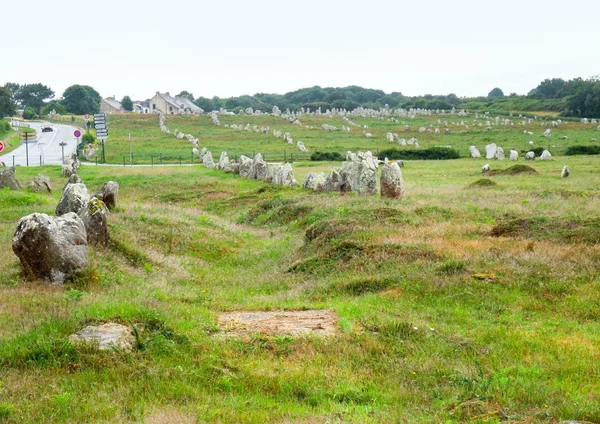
(434, 153)
(4, 125)
(326, 156)
(583, 150)
(29, 113)
(88, 138)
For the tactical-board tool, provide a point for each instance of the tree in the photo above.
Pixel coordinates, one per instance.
(29, 113)
(496, 93)
(127, 103)
(548, 89)
(81, 99)
(14, 89)
(7, 106)
(204, 103)
(187, 94)
(34, 96)
(53, 106)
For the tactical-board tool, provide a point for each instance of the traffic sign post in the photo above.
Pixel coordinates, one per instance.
(101, 131)
(62, 146)
(1, 146)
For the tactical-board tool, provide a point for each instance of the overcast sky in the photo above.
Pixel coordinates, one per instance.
(235, 47)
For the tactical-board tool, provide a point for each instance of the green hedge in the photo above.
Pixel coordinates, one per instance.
(326, 156)
(434, 153)
(583, 150)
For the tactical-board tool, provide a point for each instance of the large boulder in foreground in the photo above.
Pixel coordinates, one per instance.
(74, 199)
(108, 194)
(51, 248)
(40, 184)
(392, 183)
(95, 219)
(110, 336)
(315, 181)
(245, 163)
(8, 178)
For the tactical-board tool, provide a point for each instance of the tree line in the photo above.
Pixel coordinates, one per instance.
(577, 97)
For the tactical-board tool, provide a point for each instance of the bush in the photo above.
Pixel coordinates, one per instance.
(326, 156)
(4, 126)
(583, 150)
(434, 153)
(29, 113)
(88, 138)
(538, 151)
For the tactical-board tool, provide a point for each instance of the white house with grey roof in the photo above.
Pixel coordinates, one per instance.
(163, 102)
(110, 105)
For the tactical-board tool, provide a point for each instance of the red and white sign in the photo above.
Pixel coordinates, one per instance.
(77, 133)
(87, 116)
(1, 146)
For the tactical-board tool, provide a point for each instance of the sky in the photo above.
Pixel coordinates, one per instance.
(232, 47)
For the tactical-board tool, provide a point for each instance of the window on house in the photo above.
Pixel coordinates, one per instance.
(153, 106)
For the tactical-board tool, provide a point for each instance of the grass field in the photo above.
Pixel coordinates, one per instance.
(150, 144)
(462, 303)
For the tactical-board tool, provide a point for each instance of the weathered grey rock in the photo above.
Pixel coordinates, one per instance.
(315, 181)
(110, 336)
(108, 194)
(333, 181)
(40, 184)
(360, 175)
(74, 198)
(474, 152)
(548, 133)
(485, 168)
(234, 167)
(203, 152)
(258, 168)
(207, 160)
(245, 163)
(514, 155)
(70, 166)
(284, 175)
(8, 178)
(499, 153)
(545, 155)
(530, 155)
(94, 216)
(73, 179)
(566, 171)
(392, 183)
(52, 248)
(490, 151)
(223, 161)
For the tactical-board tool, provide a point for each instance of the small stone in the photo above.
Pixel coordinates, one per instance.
(392, 183)
(8, 178)
(110, 337)
(74, 198)
(566, 171)
(41, 184)
(95, 219)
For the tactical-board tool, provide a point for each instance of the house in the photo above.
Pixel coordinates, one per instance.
(110, 105)
(163, 102)
(141, 107)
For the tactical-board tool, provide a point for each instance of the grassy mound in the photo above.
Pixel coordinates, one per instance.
(483, 182)
(514, 170)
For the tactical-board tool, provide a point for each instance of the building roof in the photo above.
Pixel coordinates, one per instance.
(170, 100)
(113, 103)
(187, 104)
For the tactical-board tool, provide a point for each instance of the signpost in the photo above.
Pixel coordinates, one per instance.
(27, 137)
(62, 146)
(1, 146)
(101, 131)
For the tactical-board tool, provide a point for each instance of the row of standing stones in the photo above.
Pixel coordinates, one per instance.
(359, 174)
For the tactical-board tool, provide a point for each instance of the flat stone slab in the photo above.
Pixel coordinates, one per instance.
(110, 336)
(291, 323)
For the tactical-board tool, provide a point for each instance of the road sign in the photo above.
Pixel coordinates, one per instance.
(77, 133)
(87, 116)
(98, 116)
(100, 126)
(1, 146)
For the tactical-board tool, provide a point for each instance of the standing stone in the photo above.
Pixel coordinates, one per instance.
(474, 152)
(490, 151)
(52, 248)
(95, 219)
(258, 169)
(8, 178)
(74, 198)
(499, 153)
(392, 183)
(548, 133)
(245, 163)
(315, 181)
(566, 171)
(108, 194)
(41, 184)
(530, 155)
(485, 168)
(223, 161)
(545, 155)
(207, 160)
(333, 181)
(514, 155)
(70, 166)
(360, 174)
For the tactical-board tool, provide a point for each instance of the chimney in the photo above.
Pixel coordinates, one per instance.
(168, 93)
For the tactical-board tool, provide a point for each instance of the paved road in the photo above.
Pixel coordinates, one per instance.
(46, 148)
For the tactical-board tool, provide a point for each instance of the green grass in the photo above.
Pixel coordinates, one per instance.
(149, 144)
(442, 316)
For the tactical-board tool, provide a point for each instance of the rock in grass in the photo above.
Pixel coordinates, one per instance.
(360, 174)
(490, 151)
(392, 183)
(108, 194)
(284, 175)
(499, 155)
(474, 152)
(545, 155)
(258, 169)
(514, 155)
(110, 336)
(566, 171)
(51, 248)
(74, 199)
(41, 184)
(334, 181)
(95, 219)
(73, 179)
(223, 162)
(315, 181)
(207, 160)
(70, 166)
(485, 168)
(530, 155)
(8, 178)
(244, 165)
